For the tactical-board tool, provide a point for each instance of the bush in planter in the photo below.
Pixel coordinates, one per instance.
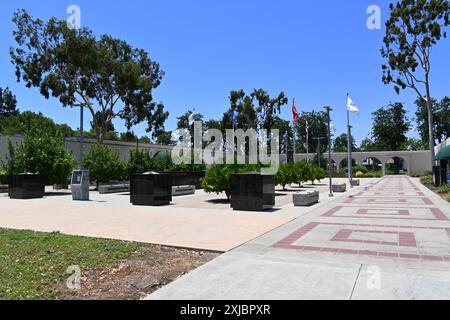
(286, 175)
(105, 165)
(41, 153)
(318, 173)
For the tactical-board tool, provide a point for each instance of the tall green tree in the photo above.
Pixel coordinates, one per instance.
(254, 110)
(341, 143)
(368, 145)
(8, 103)
(390, 126)
(412, 30)
(286, 134)
(104, 74)
(317, 122)
(441, 119)
(23, 122)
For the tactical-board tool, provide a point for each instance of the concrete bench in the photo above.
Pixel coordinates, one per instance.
(113, 188)
(356, 183)
(306, 198)
(341, 187)
(182, 190)
(4, 188)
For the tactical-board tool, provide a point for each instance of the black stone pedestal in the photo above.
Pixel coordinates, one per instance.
(151, 189)
(26, 186)
(252, 192)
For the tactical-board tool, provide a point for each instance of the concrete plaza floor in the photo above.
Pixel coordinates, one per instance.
(388, 240)
(199, 221)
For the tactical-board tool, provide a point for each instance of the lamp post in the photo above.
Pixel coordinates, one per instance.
(330, 170)
(319, 149)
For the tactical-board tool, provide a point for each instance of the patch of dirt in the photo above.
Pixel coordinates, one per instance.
(136, 278)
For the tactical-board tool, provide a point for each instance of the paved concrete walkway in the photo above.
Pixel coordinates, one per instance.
(390, 240)
(200, 221)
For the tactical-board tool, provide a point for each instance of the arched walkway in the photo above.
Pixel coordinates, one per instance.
(396, 166)
(373, 164)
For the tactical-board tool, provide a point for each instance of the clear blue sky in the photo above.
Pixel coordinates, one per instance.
(315, 51)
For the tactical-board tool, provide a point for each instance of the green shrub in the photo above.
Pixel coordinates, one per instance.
(362, 169)
(42, 153)
(286, 175)
(318, 174)
(448, 198)
(339, 174)
(104, 165)
(427, 180)
(360, 174)
(445, 188)
(140, 162)
(218, 178)
(373, 174)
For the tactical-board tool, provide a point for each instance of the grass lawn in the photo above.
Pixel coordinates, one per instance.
(33, 263)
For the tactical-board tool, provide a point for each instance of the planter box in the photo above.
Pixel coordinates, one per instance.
(182, 190)
(306, 198)
(252, 192)
(113, 188)
(150, 189)
(356, 183)
(187, 178)
(26, 186)
(4, 188)
(339, 187)
(3, 179)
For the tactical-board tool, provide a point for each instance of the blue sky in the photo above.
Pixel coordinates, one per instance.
(315, 51)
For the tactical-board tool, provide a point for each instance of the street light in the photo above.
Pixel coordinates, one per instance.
(330, 170)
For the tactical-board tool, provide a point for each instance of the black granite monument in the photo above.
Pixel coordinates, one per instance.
(26, 186)
(150, 189)
(252, 192)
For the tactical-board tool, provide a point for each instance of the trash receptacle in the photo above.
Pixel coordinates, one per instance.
(80, 185)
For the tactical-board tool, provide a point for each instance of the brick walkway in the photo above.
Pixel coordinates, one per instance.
(395, 226)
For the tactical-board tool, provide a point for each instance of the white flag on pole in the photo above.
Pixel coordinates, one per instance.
(191, 119)
(351, 106)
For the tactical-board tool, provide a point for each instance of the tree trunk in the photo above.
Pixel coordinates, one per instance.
(430, 127)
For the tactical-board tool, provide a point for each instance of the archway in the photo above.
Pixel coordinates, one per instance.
(343, 165)
(396, 166)
(372, 164)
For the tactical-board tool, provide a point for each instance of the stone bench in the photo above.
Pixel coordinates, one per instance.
(341, 187)
(113, 188)
(183, 190)
(4, 188)
(356, 183)
(306, 198)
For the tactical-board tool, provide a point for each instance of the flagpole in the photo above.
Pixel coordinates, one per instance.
(349, 147)
(293, 134)
(307, 141)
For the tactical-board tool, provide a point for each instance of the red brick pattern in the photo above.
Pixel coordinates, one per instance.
(392, 202)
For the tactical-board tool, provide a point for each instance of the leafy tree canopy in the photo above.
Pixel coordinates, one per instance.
(8, 103)
(26, 121)
(104, 74)
(441, 119)
(390, 126)
(341, 143)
